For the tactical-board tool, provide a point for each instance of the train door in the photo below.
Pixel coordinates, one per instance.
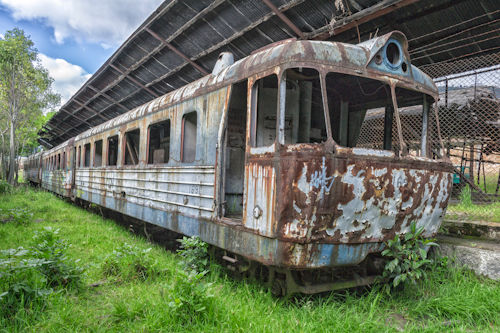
(233, 151)
(260, 171)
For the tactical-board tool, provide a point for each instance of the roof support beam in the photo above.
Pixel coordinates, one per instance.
(366, 15)
(109, 98)
(134, 80)
(176, 51)
(228, 40)
(75, 116)
(91, 110)
(283, 18)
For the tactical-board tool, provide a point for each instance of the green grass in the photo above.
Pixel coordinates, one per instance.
(449, 299)
(473, 212)
(468, 211)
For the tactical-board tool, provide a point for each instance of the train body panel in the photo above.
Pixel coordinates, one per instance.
(261, 159)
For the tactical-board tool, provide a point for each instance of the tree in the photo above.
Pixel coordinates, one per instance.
(25, 89)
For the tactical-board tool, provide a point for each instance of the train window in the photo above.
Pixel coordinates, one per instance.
(188, 141)
(304, 113)
(78, 157)
(98, 153)
(86, 155)
(59, 161)
(113, 150)
(63, 163)
(159, 142)
(265, 97)
(132, 147)
(349, 98)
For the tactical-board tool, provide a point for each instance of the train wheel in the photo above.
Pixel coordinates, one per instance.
(278, 288)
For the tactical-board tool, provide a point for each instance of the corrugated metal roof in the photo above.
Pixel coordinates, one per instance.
(181, 40)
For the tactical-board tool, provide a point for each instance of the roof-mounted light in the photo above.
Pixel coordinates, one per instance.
(393, 54)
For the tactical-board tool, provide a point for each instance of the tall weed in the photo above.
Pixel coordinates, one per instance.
(59, 269)
(189, 297)
(5, 187)
(466, 197)
(28, 276)
(194, 253)
(22, 286)
(408, 257)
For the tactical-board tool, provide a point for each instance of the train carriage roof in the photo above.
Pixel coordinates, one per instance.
(180, 42)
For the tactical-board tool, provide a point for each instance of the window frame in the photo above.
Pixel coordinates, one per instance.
(169, 121)
(108, 150)
(183, 134)
(253, 119)
(282, 104)
(85, 164)
(78, 157)
(94, 150)
(124, 146)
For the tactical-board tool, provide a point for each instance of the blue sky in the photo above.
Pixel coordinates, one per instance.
(75, 37)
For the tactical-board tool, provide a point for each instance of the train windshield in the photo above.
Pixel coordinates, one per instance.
(304, 120)
(362, 114)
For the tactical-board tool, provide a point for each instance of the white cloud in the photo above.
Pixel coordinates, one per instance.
(68, 78)
(107, 22)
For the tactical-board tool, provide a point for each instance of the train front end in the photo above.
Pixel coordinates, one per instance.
(357, 156)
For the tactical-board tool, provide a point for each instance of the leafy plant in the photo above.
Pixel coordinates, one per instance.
(194, 253)
(408, 257)
(189, 296)
(130, 262)
(19, 216)
(5, 187)
(22, 286)
(58, 269)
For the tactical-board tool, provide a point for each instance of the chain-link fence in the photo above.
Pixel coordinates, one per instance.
(469, 116)
(469, 121)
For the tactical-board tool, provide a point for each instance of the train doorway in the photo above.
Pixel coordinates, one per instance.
(234, 153)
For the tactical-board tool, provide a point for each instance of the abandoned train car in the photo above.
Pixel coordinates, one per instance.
(260, 159)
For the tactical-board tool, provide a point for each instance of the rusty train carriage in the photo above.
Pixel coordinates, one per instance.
(260, 159)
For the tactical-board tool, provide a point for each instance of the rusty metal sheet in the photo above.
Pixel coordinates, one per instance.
(357, 197)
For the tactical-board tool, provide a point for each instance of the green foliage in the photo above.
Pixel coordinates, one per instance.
(466, 197)
(129, 262)
(59, 269)
(28, 276)
(189, 297)
(18, 216)
(21, 284)
(5, 187)
(194, 253)
(408, 257)
(25, 92)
